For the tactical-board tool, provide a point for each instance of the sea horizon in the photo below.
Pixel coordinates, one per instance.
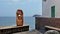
(11, 21)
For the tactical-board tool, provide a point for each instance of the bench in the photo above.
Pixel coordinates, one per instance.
(51, 28)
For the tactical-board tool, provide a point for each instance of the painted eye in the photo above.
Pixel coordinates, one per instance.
(19, 15)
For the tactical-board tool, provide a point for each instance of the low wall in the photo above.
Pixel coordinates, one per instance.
(42, 21)
(13, 29)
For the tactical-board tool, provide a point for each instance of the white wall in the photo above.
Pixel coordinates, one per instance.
(57, 8)
(46, 7)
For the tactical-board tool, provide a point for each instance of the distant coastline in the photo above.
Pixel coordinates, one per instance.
(36, 15)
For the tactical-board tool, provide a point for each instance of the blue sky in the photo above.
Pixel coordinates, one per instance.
(29, 7)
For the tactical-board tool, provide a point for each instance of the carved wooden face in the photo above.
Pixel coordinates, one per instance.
(19, 15)
(19, 18)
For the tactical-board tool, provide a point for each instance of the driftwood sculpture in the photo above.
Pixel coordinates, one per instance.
(19, 17)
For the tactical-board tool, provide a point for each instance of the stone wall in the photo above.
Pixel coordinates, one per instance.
(42, 21)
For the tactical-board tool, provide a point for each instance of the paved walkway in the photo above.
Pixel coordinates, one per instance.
(29, 32)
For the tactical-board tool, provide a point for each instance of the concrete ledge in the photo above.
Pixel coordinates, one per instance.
(13, 29)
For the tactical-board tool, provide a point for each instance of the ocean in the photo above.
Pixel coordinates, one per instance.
(11, 21)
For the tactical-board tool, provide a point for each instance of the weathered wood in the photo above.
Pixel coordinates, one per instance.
(19, 17)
